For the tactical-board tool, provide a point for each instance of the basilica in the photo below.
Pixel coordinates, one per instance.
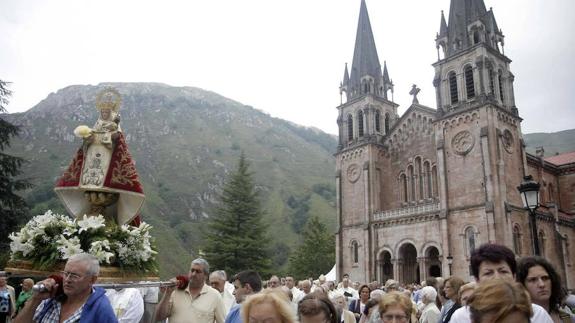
(417, 193)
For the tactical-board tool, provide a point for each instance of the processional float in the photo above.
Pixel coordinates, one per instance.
(102, 192)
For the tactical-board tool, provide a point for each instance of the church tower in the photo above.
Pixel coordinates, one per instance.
(365, 116)
(477, 132)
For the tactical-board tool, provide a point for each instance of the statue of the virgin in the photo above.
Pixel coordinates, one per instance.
(102, 177)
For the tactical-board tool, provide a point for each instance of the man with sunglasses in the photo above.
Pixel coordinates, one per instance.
(75, 300)
(198, 303)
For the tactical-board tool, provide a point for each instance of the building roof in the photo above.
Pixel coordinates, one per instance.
(562, 159)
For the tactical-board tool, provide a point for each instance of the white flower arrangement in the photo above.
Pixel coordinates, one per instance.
(50, 238)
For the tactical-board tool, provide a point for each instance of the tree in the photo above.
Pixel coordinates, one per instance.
(316, 254)
(13, 209)
(236, 237)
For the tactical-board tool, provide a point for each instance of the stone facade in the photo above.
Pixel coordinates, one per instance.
(417, 190)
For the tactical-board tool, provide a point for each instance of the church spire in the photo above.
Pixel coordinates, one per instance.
(387, 82)
(442, 26)
(469, 24)
(365, 74)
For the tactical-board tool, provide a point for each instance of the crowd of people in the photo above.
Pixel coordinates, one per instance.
(504, 290)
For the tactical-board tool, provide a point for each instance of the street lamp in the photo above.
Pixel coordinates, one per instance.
(529, 190)
(449, 263)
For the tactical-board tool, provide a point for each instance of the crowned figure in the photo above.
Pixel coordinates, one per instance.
(102, 177)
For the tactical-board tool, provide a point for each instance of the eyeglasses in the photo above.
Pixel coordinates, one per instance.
(70, 276)
(197, 271)
(391, 318)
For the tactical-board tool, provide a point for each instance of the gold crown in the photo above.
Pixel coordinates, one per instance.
(109, 98)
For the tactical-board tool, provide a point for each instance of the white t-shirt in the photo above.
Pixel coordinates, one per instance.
(462, 315)
(127, 303)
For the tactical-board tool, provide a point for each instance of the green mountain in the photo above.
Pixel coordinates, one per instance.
(553, 143)
(184, 141)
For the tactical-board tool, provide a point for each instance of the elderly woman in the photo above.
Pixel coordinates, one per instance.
(430, 313)
(544, 286)
(395, 307)
(340, 303)
(500, 301)
(270, 306)
(316, 308)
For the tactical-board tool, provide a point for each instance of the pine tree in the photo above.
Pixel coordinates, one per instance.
(13, 209)
(316, 254)
(236, 237)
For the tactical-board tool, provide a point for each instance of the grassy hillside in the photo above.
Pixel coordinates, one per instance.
(185, 141)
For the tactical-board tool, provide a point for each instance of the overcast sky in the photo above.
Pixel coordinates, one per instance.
(284, 57)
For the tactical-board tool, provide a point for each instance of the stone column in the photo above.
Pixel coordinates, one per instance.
(422, 262)
(338, 237)
(489, 186)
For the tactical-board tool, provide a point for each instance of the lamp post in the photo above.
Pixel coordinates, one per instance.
(449, 263)
(529, 190)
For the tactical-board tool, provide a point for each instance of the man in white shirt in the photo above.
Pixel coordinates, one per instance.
(347, 290)
(218, 282)
(297, 294)
(493, 261)
(127, 303)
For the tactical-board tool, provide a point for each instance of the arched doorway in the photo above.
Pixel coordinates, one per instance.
(386, 266)
(409, 270)
(433, 263)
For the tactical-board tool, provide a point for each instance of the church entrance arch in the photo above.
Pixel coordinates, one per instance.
(386, 266)
(433, 262)
(409, 271)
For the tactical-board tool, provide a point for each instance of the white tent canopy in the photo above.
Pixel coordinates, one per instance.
(332, 275)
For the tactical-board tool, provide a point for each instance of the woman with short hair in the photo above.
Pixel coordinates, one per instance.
(317, 308)
(395, 307)
(268, 306)
(357, 306)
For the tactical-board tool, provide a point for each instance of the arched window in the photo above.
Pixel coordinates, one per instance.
(411, 180)
(453, 88)
(349, 127)
(386, 123)
(428, 179)
(419, 177)
(403, 180)
(491, 81)
(377, 121)
(517, 240)
(434, 179)
(355, 251)
(500, 79)
(470, 240)
(360, 123)
(469, 84)
(476, 38)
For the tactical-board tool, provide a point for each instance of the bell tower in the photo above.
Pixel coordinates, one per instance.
(365, 116)
(472, 67)
(477, 130)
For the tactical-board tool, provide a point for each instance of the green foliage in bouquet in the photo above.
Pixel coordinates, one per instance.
(51, 238)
